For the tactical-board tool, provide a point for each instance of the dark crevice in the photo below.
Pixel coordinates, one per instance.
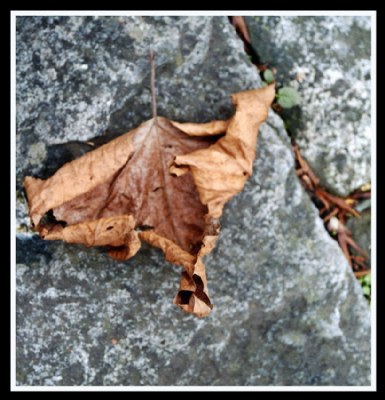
(250, 50)
(292, 119)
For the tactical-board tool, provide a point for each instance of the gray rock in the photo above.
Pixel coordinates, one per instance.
(328, 60)
(78, 78)
(288, 310)
(360, 228)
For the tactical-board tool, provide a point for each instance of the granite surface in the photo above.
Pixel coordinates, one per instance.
(328, 59)
(287, 308)
(361, 231)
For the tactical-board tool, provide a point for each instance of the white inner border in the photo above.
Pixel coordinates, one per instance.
(372, 387)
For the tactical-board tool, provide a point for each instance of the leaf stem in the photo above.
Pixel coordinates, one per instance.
(153, 92)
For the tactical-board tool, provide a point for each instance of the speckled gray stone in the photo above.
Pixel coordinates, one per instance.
(288, 310)
(78, 78)
(361, 231)
(328, 60)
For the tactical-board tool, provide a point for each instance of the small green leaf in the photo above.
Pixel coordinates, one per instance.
(366, 290)
(268, 76)
(367, 279)
(288, 97)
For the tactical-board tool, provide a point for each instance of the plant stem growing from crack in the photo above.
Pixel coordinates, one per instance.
(153, 92)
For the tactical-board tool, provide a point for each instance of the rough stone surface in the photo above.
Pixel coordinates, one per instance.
(328, 60)
(78, 78)
(288, 310)
(361, 231)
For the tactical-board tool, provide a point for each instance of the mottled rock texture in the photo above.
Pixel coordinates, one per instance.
(288, 310)
(361, 231)
(328, 60)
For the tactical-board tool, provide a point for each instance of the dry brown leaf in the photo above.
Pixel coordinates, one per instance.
(164, 182)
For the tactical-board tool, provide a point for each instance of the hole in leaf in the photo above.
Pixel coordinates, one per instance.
(194, 248)
(199, 290)
(109, 228)
(184, 296)
(48, 220)
(144, 228)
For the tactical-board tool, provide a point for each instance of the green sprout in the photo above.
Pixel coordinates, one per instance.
(268, 76)
(366, 285)
(288, 97)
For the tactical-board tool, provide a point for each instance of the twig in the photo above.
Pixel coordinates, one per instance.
(153, 92)
(319, 193)
(360, 264)
(344, 247)
(341, 204)
(241, 28)
(359, 258)
(305, 166)
(355, 246)
(328, 198)
(359, 274)
(332, 214)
